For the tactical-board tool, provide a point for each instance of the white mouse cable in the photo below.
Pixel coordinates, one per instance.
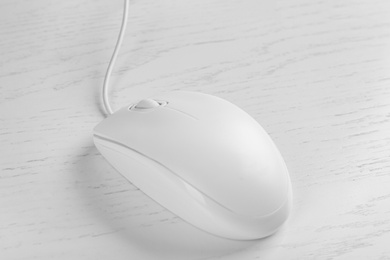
(106, 102)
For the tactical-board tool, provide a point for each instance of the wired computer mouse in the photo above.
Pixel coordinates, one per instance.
(202, 158)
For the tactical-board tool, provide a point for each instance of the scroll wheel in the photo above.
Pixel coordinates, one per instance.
(147, 103)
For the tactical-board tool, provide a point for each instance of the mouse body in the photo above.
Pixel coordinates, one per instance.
(202, 158)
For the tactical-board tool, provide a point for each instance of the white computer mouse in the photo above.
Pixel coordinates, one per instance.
(202, 158)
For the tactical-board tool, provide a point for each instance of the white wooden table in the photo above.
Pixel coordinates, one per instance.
(315, 74)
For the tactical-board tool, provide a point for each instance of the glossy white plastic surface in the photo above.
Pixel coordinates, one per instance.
(204, 159)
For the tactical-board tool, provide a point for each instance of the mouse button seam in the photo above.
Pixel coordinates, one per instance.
(177, 110)
(116, 143)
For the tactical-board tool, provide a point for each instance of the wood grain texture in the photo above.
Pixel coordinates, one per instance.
(315, 74)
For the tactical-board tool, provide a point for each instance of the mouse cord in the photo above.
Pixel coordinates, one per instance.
(106, 103)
